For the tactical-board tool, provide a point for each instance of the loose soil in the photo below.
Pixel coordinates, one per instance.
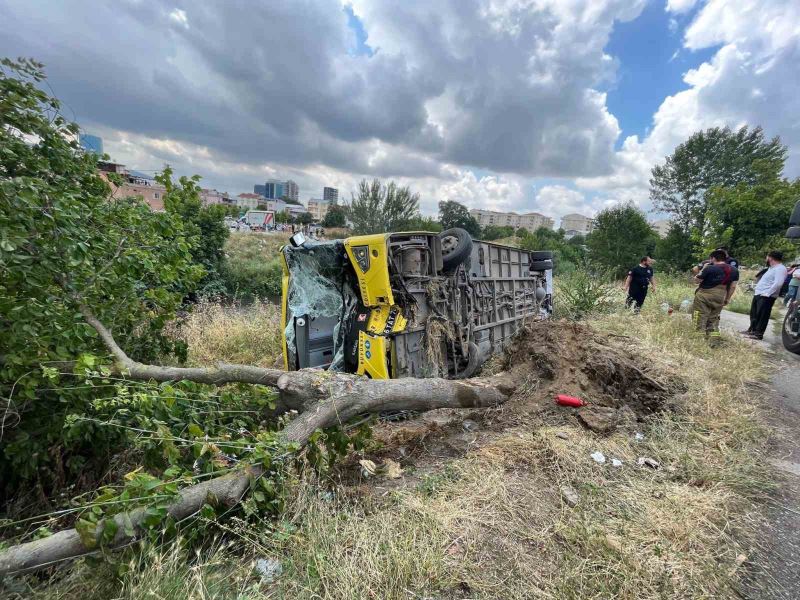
(620, 388)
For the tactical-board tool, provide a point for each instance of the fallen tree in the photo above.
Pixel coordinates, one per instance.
(323, 399)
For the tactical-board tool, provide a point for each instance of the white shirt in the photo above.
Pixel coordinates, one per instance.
(771, 282)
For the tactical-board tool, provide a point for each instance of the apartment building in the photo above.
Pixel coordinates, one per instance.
(530, 221)
(318, 208)
(662, 227)
(249, 201)
(134, 184)
(574, 224)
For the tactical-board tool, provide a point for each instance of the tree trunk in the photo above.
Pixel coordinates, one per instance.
(323, 399)
(328, 399)
(225, 491)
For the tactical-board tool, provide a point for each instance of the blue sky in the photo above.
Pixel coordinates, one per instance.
(651, 64)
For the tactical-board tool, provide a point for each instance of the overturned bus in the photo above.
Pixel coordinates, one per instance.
(408, 304)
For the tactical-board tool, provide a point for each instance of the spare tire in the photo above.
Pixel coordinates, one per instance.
(541, 265)
(541, 255)
(456, 248)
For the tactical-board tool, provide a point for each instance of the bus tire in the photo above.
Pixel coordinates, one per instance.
(456, 248)
(541, 265)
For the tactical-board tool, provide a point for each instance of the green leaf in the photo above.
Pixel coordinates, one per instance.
(87, 531)
(195, 430)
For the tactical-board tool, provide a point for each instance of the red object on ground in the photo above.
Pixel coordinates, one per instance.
(565, 400)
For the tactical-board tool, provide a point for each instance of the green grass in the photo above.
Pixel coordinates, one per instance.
(253, 265)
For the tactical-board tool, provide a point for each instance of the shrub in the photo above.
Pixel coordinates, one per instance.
(583, 292)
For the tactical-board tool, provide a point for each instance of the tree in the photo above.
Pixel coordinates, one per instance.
(621, 236)
(675, 252)
(454, 214)
(204, 227)
(420, 223)
(305, 218)
(335, 217)
(750, 220)
(382, 208)
(711, 158)
(282, 217)
(65, 241)
(496, 232)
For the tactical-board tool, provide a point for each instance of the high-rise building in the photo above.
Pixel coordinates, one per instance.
(330, 194)
(530, 221)
(91, 143)
(261, 190)
(291, 191)
(274, 189)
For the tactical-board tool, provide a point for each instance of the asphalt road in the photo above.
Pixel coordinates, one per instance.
(775, 567)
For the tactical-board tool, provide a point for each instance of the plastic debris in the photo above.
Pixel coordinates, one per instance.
(368, 467)
(599, 457)
(645, 461)
(469, 425)
(570, 495)
(686, 305)
(666, 308)
(564, 400)
(269, 569)
(638, 436)
(562, 435)
(615, 462)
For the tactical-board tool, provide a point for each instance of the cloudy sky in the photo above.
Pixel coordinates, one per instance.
(551, 105)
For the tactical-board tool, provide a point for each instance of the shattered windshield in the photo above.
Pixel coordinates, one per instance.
(320, 300)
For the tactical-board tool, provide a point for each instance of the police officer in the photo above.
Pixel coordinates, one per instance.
(638, 280)
(717, 282)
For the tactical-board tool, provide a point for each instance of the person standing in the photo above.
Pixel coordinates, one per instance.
(636, 283)
(717, 283)
(767, 290)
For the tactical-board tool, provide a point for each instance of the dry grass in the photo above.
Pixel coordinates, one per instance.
(232, 333)
(493, 524)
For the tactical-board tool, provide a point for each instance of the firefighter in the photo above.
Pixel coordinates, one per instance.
(638, 280)
(717, 282)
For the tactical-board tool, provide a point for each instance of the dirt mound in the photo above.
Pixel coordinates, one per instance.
(620, 387)
(561, 357)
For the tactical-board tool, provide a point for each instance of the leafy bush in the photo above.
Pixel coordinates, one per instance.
(583, 292)
(64, 242)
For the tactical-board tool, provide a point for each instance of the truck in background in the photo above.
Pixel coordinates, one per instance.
(260, 219)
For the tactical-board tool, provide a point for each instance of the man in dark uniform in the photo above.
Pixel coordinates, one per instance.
(638, 280)
(717, 282)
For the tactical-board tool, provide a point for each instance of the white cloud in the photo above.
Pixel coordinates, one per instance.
(680, 6)
(179, 17)
(752, 79)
